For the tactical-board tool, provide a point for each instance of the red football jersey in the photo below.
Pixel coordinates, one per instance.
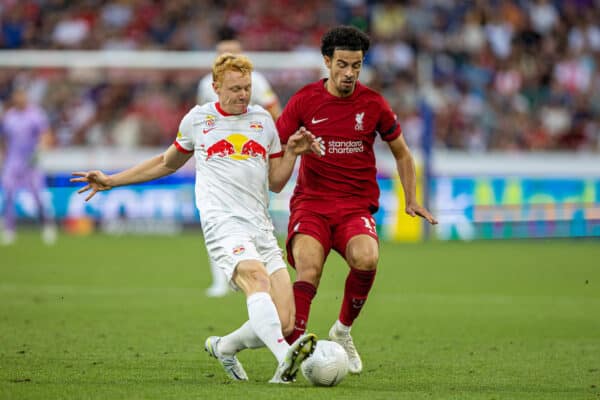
(348, 126)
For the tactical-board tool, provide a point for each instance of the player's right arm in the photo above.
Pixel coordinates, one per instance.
(156, 167)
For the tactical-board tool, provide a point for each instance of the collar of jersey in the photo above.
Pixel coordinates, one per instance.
(225, 113)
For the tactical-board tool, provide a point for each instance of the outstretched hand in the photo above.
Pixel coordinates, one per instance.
(97, 181)
(415, 209)
(303, 141)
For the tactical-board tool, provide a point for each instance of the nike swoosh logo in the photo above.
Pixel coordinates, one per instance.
(316, 121)
(205, 131)
(280, 340)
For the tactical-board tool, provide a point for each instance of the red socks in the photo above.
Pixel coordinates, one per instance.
(304, 292)
(358, 285)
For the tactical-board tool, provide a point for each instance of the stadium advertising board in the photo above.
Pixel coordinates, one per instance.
(468, 207)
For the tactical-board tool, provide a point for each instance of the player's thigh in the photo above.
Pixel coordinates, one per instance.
(309, 257)
(228, 245)
(355, 238)
(270, 253)
(309, 240)
(251, 277)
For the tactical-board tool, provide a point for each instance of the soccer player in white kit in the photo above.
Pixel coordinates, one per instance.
(238, 159)
(264, 96)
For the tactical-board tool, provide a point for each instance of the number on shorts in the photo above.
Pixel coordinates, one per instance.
(369, 223)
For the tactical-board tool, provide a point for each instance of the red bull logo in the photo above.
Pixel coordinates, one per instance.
(237, 147)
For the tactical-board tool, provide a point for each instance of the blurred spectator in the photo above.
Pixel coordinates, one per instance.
(262, 92)
(24, 129)
(531, 63)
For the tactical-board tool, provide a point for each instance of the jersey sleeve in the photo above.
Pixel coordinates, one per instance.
(388, 125)
(261, 90)
(289, 121)
(184, 142)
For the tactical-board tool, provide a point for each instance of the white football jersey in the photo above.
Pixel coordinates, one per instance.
(232, 155)
(262, 93)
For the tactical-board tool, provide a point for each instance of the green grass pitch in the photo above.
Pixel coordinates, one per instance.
(125, 318)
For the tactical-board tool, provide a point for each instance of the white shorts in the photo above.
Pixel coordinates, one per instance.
(229, 243)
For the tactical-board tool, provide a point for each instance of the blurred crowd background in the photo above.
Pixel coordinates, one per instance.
(499, 75)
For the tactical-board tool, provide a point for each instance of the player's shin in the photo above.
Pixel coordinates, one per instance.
(264, 320)
(304, 292)
(356, 291)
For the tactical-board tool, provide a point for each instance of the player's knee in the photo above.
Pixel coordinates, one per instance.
(253, 277)
(309, 272)
(364, 260)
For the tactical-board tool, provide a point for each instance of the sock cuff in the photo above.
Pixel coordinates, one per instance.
(258, 296)
(340, 326)
(305, 287)
(363, 274)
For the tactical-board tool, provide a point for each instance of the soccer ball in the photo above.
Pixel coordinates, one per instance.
(327, 366)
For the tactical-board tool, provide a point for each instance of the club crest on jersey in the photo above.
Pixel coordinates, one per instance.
(237, 250)
(359, 121)
(209, 121)
(256, 126)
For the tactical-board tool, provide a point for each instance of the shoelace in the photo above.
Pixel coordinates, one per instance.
(231, 364)
(349, 345)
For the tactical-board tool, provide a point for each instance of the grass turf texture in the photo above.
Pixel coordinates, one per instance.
(125, 318)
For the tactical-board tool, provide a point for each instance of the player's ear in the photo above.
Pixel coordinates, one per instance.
(327, 61)
(216, 86)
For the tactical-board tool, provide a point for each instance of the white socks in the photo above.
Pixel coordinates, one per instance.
(341, 328)
(240, 339)
(264, 320)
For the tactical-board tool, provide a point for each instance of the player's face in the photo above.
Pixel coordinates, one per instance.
(234, 92)
(344, 68)
(229, 46)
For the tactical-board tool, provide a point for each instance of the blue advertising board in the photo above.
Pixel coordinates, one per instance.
(467, 207)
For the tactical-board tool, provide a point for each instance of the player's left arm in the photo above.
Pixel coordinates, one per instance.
(156, 167)
(408, 177)
(281, 168)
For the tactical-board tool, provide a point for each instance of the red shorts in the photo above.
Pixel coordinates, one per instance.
(331, 225)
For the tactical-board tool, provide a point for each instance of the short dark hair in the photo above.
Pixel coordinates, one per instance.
(226, 32)
(344, 37)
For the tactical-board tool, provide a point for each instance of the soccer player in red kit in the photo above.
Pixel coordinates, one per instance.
(337, 193)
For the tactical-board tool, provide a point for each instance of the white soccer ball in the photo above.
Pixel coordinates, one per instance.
(327, 366)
